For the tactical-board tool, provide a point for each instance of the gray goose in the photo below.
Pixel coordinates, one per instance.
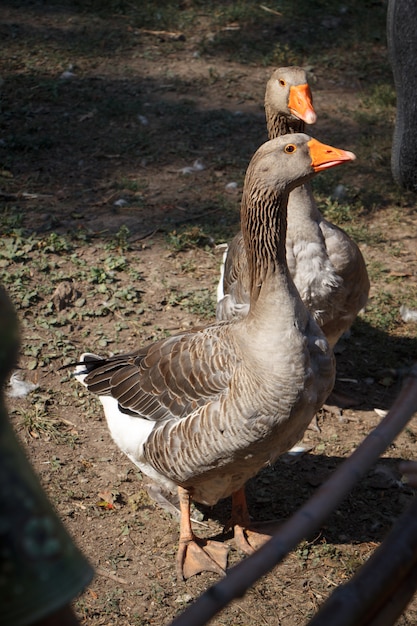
(326, 265)
(203, 411)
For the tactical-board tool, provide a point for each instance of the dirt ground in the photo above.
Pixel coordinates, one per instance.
(99, 118)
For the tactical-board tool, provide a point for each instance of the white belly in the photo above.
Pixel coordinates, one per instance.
(130, 434)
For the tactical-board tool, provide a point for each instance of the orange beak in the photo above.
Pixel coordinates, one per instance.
(300, 103)
(323, 156)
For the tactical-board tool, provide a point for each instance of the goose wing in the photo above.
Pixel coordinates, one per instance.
(170, 378)
(350, 267)
(235, 282)
(348, 261)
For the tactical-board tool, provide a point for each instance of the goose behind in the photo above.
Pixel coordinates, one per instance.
(325, 263)
(203, 411)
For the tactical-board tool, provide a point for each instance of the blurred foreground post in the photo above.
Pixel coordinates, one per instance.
(309, 517)
(41, 570)
(402, 46)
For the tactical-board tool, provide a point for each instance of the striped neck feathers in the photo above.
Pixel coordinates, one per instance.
(264, 227)
(279, 124)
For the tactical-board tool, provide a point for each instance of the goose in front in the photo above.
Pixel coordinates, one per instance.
(204, 410)
(326, 265)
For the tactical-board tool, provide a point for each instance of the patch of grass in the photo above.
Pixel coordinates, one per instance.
(55, 243)
(337, 212)
(382, 311)
(131, 184)
(188, 267)
(16, 279)
(361, 234)
(11, 220)
(189, 237)
(36, 422)
(16, 248)
(380, 97)
(201, 303)
(104, 274)
(283, 55)
(348, 216)
(376, 270)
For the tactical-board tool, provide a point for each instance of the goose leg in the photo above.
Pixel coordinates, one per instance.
(247, 539)
(196, 555)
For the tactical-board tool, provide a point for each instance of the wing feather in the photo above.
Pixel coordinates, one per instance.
(171, 378)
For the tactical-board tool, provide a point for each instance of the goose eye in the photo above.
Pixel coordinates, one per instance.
(282, 82)
(289, 148)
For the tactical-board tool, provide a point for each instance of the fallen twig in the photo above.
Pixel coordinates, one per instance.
(163, 33)
(310, 516)
(117, 579)
(268, 10)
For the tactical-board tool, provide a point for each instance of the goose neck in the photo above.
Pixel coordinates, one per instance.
(278, 124)
(264, 227)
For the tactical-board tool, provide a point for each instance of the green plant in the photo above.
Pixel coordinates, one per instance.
(190, 237)
(201, 303)
(382, 311)
(11, 220)
(55, 243)
(39, 425)
(121, 239)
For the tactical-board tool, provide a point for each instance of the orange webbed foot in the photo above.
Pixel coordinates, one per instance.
(248, 537)
(200, 555)
(248, 540)
(196, 555)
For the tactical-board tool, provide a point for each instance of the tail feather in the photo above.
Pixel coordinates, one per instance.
(88, 361)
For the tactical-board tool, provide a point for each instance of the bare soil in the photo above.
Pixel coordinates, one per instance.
(103, 147)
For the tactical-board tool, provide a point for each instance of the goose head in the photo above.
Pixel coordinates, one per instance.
(288, 94)
(285, 162)
(276, 168)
